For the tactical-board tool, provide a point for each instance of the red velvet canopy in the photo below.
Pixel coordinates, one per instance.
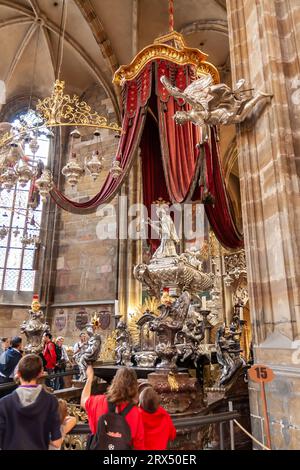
(136, 95)
(172, 159)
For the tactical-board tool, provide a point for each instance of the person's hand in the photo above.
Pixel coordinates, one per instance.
(89, 373)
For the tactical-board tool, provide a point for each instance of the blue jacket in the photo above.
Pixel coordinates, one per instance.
(30, 425)
(8, 361)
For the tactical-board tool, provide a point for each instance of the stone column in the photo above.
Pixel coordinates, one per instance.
(130, 251)
(134, 247)
(265, 50)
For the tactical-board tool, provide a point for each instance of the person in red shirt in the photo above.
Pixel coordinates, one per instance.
(122, 391)
(158, 426)
(50, 358)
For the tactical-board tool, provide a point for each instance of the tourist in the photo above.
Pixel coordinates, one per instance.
(9, 360)
(67, 422)
(4, 345)
(158, 426)
(29, 417)
(62, 359)
(122, 392)
(82, 341)
(50, 359)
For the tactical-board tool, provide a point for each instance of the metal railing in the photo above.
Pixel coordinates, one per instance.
(9, 387)
(189, 423)
(181, 423)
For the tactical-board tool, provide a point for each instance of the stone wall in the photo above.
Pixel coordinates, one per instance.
(11, 319)
(86, 266)
(265, 50)
(69, 322)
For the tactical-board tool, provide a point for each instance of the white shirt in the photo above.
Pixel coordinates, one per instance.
(77, 346)
(64, 354)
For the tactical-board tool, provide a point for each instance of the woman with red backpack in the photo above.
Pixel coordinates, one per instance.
(114, 418)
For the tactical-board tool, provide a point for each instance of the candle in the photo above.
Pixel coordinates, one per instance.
(241, 313)
(116, 307)
(203, 302)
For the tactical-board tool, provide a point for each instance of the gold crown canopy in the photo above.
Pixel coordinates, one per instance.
(65, 110)
(170, 47)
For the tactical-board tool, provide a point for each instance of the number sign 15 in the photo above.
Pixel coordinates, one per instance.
(260, 373)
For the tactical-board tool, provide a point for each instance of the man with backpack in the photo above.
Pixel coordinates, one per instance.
(114, 418)
(50, 358)
(9, 360)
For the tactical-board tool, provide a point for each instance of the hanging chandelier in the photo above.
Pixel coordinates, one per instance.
(54, 112)
(57, 111)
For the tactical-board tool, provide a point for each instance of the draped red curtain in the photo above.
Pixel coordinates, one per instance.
(154, 184)
(172, 161)
(219, 213)
(180, 153)
(136, 95)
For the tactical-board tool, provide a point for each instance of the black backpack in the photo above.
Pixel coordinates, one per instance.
(113, 431)
(58, 351)
(43, 359)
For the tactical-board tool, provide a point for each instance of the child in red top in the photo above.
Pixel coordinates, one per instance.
(158, 426)
(122, 391)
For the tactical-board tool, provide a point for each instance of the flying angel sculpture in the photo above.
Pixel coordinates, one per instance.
(214, 104)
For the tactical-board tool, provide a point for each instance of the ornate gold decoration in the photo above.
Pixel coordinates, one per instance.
(173, 382)
(170, 47)
(74, 442)
(63, 110)
(77, 412)
(210, 247)
(204, 251)
(60, 110)
(108, 350)
(235, 267)
(95, 320)
(5, 139)
(213, 244)
(150, 304)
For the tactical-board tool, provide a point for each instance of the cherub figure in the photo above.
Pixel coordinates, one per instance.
(124, 345)
(89, 354)
(215, 104)
(34, 328)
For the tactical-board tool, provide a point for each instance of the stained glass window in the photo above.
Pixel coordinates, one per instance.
(20, 223)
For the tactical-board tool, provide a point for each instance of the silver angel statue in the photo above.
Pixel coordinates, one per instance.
(124, 345)
(167, 234)
(215, 104)
(166, 326)
(228, 352)
(34, 328)
(89, 353)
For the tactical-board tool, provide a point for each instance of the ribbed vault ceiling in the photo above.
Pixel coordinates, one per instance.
(100, 35)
